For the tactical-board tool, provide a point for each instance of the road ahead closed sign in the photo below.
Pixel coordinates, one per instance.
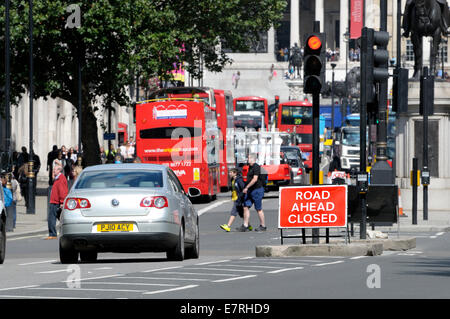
(321, 206)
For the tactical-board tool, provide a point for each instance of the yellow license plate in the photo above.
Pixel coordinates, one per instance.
(115, 227)
(270, 183)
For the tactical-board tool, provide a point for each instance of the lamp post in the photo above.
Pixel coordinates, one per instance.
(333, 65)
(344, 109)
(30, 173)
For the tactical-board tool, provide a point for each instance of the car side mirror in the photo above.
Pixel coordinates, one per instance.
(193, 192)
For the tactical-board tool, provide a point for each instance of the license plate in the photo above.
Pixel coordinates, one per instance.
(270, 183)
(115, 227)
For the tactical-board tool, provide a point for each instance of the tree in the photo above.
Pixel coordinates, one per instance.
(119, 40)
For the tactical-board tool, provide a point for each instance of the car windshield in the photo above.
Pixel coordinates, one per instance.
(120, 179)
(291, 154)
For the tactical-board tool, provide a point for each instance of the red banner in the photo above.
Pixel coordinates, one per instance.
(356, 18)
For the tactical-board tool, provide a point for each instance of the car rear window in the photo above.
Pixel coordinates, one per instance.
(120, 179)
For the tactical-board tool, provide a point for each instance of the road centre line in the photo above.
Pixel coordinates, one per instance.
(236, 278)
(41, 297)
(208, 208)
(52, 271)
(14, 288)
(169, 290)
(92, 278)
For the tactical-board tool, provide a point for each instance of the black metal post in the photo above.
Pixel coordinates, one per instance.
(30, 174)
(427, 100)
(362, 130)
(80, 115)
(7, 85)
(414, 191)
(333, 65)
(316, 159)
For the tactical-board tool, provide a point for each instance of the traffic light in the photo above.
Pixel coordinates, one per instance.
(314, 59)
(375, 61)
(426, 104)
(400, 91)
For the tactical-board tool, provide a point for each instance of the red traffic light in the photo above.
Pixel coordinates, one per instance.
(314, 43)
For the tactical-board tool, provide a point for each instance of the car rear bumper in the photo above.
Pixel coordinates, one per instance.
(151, 237)
(120, 242)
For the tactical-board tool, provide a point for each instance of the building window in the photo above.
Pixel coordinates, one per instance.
(443, 52)
(409, 51)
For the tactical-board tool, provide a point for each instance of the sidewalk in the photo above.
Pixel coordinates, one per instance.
(36, 224)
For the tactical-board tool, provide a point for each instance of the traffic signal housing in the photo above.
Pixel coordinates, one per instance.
(314, 60)
(400, 91)
(375, 60)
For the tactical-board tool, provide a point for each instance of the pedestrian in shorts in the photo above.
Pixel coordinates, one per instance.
(237, 185)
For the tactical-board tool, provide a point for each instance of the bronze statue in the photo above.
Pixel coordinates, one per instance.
(425, 18)
(295, 58)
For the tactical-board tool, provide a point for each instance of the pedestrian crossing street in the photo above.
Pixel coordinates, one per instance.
(92, 281)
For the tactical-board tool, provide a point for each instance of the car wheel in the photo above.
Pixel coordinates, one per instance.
(194, 251)
(177, 253)
(2, 241)
(88, 256)
(68, 256)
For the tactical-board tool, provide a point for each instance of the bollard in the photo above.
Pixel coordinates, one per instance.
(414, 191)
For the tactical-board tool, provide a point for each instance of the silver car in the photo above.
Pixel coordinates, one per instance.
(128, 208)
(294, 156)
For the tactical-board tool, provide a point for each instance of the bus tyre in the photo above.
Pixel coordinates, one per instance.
(68, 256)
(194, 251)
(177, 253)
(2, 240)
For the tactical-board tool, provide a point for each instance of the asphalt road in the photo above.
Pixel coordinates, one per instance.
(228, 269)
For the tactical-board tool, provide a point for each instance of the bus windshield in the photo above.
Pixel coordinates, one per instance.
(250, 106)
(296, 115)
(170, 132)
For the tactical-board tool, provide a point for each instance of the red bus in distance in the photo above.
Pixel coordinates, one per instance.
(181, 133)
(296, 117)
(249, 111)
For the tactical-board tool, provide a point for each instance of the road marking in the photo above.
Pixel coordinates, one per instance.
(440, 234)
(25, 237)
(167, 278)
(127, 283)
(86, 289)
(13, 288)
(166, 268)
(330, 263)
(359, 257)
(169, 290)
(225, 269)
(236, 278)
(38, 262)
(51, 271)
(213, 262)
(253, 266)
(42, 297)
(208, 208)
(195, 273)
(91, 278)
(247, 257)
(283, 270)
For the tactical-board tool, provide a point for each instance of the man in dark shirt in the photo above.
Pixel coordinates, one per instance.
(254, 191)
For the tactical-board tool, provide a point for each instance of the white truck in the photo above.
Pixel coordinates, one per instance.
(349, 149)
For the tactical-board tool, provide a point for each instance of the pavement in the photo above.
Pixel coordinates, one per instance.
(36, 224)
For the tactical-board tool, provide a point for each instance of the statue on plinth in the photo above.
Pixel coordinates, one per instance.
(425, 18)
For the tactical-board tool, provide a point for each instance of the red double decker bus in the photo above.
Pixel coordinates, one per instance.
(251, 112)
(224, 110)
(182, 133)
(296, 117)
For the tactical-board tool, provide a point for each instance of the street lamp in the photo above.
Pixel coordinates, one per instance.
(344, 109)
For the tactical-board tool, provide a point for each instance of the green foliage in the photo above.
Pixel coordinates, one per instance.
(118, 39)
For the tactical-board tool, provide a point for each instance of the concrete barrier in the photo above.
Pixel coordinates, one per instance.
(335, 249)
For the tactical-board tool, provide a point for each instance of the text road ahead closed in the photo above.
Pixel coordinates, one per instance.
(313, 206)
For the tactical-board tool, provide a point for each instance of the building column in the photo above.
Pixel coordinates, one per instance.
(320, 10)
(295, 23)
(343, 25)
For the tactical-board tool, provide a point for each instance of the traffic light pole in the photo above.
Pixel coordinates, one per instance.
(316, 158)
